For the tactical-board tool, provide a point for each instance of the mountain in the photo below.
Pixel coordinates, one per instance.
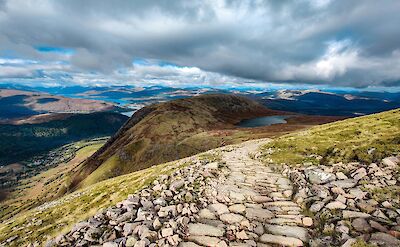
(317, 102)
(168, 131)
(17, 104)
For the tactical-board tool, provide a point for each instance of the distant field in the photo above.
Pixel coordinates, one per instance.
(364, 139)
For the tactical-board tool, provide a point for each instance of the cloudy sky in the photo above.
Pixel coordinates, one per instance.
(346, 43)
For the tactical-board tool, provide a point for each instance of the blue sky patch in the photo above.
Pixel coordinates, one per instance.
(53, 49)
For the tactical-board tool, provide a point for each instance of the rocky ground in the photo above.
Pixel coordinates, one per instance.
(230, 198)
(351, 201)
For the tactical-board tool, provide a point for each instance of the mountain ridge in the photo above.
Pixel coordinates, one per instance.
(157, 133)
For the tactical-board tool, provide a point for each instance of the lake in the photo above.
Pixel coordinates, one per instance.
(262, 121)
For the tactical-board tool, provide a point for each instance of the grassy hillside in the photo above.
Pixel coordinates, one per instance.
(165, 132)
(49, 184)
(20, 142)
(365, 139)
(49, 220)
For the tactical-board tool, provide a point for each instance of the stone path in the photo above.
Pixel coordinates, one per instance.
(235, 201)
(249, 205)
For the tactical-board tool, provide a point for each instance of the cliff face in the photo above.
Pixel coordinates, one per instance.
(165, 132)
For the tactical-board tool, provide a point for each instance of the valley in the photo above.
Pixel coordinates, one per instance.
(44, 178)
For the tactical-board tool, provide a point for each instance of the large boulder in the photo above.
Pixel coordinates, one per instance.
(318, 176)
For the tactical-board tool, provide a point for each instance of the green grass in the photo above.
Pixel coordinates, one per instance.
(78, 206)
(365, 139)
(362, 243)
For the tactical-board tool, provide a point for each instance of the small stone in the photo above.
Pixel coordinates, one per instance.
(357, 193)
(349, 242)
(391, 161)
(241, 235)
(365, 207)
(307, 221)
(361, 225)
(378, 213)
(207, 214)
(384, 239)
(177, 185)
(341, 175)
(288, 193)
(359, 174)
(347, 214)
(110, 244)
(377, 226)
(167, 232)
(387, 204)
(131, 241)
(188, 244)
(157, 224)
(317, 206)
(336, 205)
(344, 183)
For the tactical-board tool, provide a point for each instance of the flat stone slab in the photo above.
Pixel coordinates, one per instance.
(258, 214)
(281, 204)
(188, 244)
(218, 208)
(237, 208)
(282, 240)
(231, 218)
(347, 214)
(205, 240)
(200, 229)
(289, 231)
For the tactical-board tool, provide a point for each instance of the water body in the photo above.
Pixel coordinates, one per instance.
(263, 121)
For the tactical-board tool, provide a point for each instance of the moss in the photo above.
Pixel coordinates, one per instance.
(385, 193)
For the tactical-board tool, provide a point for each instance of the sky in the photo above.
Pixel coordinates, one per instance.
(343, 43)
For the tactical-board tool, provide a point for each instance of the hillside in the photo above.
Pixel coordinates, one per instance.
(351, 203)
(363, 139)
(20, 142)
(168, 131)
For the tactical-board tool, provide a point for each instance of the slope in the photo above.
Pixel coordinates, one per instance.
(165, 132)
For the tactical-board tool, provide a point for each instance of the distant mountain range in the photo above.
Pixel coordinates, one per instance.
(314, 102)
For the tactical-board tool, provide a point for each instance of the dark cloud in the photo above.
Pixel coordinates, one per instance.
(343, 43)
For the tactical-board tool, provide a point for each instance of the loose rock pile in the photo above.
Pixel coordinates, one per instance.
(351, 201)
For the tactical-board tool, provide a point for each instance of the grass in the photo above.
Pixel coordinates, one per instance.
(362, 243)
(51, 219)
(364, 139)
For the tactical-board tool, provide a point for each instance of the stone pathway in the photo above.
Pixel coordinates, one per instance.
(251, 203)
(235, 201)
